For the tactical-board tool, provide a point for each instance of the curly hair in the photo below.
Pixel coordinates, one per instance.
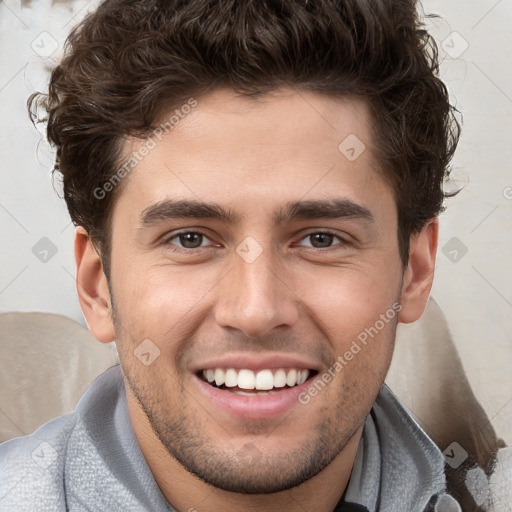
(131, 60)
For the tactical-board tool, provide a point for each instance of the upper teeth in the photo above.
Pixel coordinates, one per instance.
(263, 379)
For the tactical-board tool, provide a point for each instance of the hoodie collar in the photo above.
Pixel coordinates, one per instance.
(397, 466)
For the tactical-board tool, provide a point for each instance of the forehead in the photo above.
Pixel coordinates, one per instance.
(254, 152)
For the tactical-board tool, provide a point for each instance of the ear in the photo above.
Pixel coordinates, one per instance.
(419, 274)
(92, 288)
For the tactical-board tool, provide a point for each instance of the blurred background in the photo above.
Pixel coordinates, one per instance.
(473, 283)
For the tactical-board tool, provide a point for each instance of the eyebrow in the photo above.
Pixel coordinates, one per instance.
(323, 209)
(304, 210)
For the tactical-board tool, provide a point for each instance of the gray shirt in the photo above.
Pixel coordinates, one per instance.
(89, 460)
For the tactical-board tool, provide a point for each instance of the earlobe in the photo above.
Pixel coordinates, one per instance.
(92, 288)
(419, 275)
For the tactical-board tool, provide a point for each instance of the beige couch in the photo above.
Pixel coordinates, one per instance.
(47, 361)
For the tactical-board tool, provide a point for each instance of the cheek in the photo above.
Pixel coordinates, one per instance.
(161, 302)
(357, 311)
(346, 301)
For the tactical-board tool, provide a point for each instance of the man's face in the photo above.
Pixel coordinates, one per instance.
(295, 257)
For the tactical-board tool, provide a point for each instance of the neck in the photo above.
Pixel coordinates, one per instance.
(187, 493)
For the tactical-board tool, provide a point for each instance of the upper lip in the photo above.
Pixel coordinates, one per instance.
(255, 362)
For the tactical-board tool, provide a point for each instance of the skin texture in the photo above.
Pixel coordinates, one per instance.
(252, 158)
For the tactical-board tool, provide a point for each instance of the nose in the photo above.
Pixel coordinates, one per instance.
(255, 297)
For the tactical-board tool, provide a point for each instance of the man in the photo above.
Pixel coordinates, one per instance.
(254, 185)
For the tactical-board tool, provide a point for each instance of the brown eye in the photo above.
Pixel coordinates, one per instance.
(191, 240)
(188, 240)
(321, 240)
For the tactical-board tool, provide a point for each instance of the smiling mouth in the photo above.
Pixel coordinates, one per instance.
(250, 383)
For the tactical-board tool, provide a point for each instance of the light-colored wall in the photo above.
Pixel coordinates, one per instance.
(474, 288)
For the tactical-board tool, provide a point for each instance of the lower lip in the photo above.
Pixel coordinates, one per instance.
(254, 407)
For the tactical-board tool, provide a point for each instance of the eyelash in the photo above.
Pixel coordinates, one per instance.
(167, 241)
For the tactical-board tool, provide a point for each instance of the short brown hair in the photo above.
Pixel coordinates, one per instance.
(131, 59)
